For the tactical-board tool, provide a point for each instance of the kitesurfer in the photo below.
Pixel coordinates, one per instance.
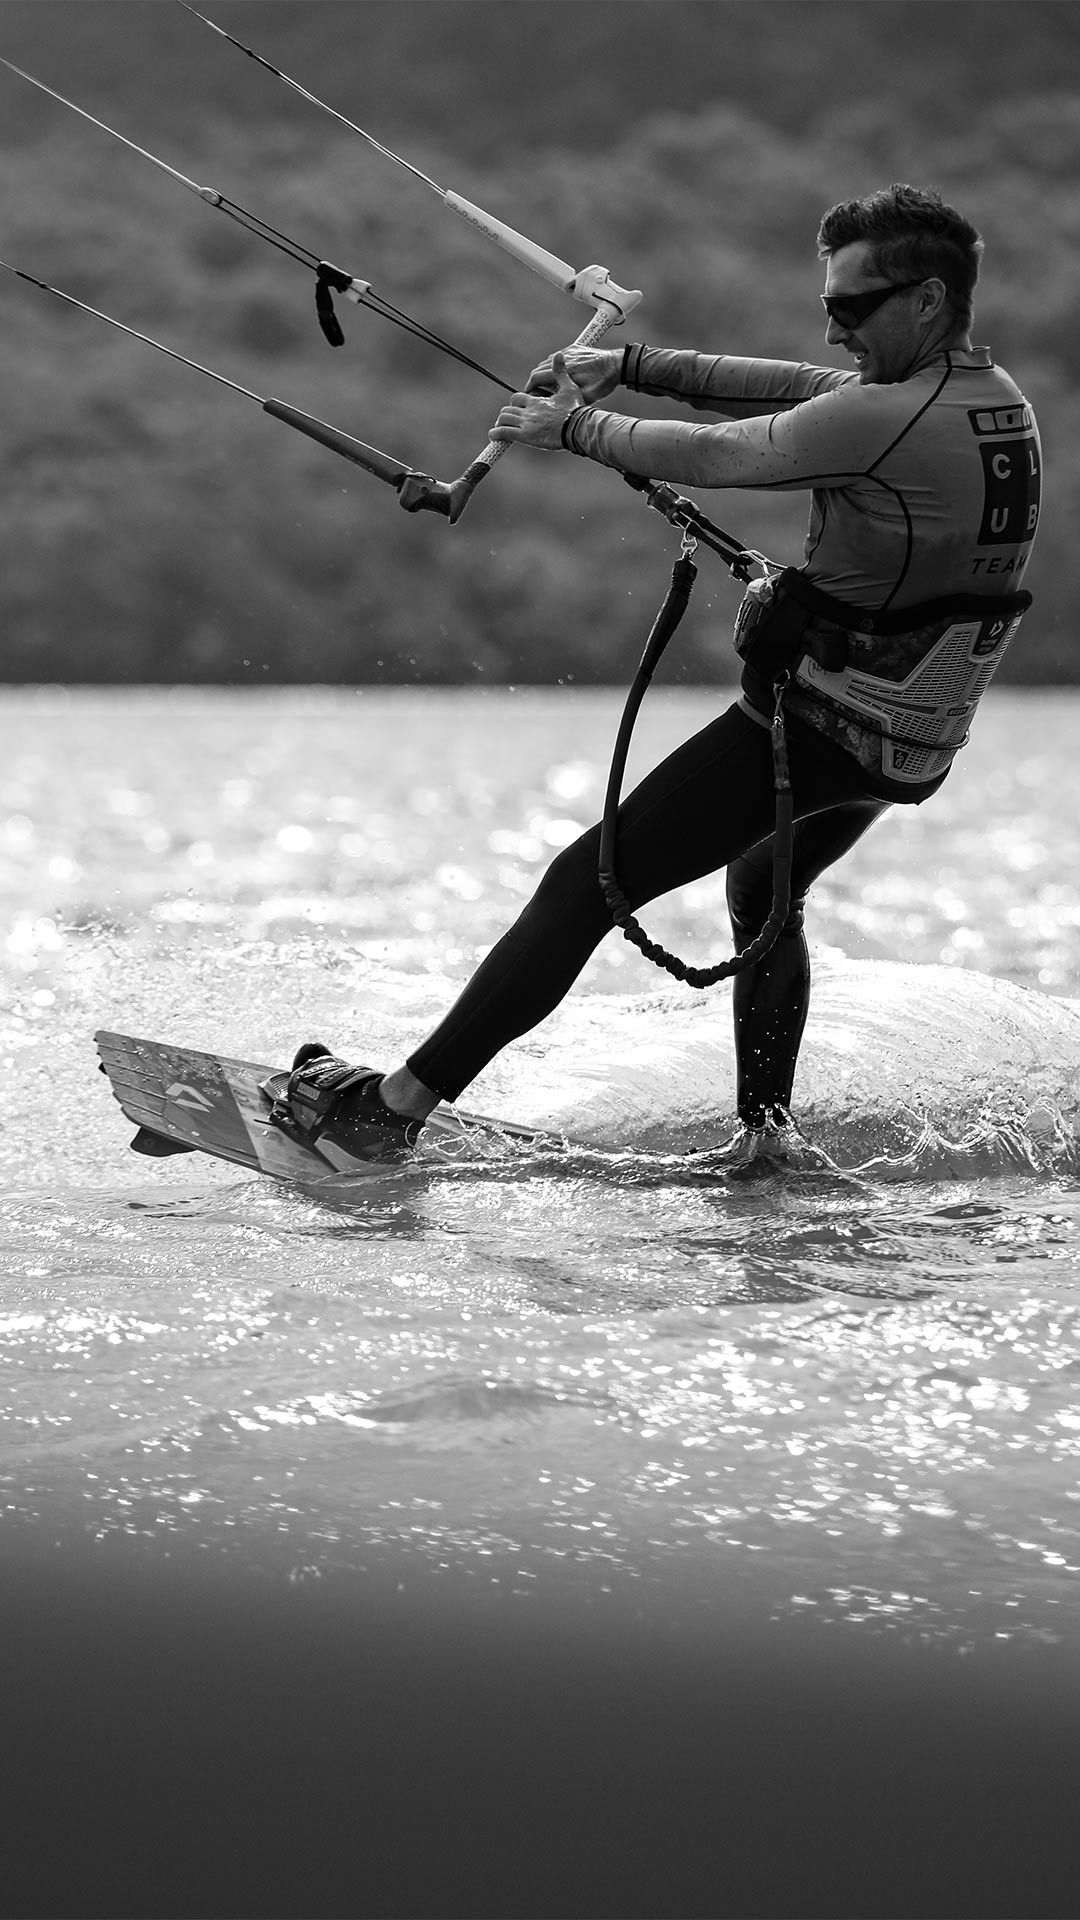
(923, 469)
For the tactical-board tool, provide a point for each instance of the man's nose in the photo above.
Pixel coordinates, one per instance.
(835, 334)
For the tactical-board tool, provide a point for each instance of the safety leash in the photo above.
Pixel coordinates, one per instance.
(684, 514)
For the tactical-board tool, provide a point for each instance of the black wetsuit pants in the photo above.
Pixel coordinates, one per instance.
(709, 805)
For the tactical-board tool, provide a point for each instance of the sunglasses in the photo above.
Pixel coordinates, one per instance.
(849, 309)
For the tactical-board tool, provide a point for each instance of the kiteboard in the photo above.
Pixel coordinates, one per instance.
(182, 1101)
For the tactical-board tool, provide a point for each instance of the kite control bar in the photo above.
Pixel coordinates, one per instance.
(451, 497)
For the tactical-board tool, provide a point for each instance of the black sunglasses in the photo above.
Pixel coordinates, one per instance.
(848, 309)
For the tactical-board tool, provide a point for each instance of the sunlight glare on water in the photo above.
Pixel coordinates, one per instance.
(610, 1370)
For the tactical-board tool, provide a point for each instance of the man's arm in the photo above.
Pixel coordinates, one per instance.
(711, 382)
(836, 437)
(725, 383)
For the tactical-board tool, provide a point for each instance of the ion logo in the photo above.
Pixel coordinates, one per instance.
(1001, 419)
(184, 1096)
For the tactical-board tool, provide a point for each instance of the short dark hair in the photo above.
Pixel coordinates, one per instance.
(913, 235)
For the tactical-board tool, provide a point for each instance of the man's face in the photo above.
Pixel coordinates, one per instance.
(890, 339)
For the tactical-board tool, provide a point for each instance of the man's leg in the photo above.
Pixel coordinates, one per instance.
(698, 811)
(703, 807)
(771, 1000)
(693, 813)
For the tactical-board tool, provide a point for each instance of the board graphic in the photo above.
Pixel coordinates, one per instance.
(182, 1100)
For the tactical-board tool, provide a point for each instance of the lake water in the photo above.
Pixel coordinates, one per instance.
(551, 1534)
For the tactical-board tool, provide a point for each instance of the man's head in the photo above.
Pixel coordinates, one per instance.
(907, 240)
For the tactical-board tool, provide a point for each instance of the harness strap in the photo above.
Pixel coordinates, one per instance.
(788, 619)
(947, 606)
(683, 575)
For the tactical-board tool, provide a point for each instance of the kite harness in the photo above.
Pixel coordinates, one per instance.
(910, 678)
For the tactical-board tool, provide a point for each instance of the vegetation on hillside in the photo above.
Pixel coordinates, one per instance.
(161, 527)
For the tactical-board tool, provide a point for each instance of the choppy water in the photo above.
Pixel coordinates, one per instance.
(610, 1381)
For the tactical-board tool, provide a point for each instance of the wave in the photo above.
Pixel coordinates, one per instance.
(925, 1070)
(920, 1068)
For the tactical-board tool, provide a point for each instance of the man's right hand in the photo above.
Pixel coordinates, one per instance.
(597, 371)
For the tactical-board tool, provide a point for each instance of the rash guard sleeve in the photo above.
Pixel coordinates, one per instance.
(827, 441)
(725, 383)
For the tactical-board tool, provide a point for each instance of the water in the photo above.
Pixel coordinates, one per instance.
(601, 1429)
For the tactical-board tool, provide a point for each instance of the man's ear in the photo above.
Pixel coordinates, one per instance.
(934, 298)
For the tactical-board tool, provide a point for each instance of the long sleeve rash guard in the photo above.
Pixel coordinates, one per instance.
(924, 487)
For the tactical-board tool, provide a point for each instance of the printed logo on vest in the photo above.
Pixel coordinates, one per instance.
(993, 635)
(1011, 480)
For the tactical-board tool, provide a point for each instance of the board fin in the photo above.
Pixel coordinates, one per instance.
(156, 1146)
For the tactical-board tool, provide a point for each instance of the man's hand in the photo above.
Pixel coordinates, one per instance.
(596, 370)
(536, 419)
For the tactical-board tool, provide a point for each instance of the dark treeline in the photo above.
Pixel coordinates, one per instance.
(162, 528)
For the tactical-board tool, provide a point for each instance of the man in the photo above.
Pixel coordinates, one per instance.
(923, 467)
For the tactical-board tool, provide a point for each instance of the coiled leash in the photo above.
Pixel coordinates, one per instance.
(684, 514)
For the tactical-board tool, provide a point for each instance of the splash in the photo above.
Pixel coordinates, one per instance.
(906, 1071)
(922, 1070)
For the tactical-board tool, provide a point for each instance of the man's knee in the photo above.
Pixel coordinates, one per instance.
(750, 902)
(570, 887)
